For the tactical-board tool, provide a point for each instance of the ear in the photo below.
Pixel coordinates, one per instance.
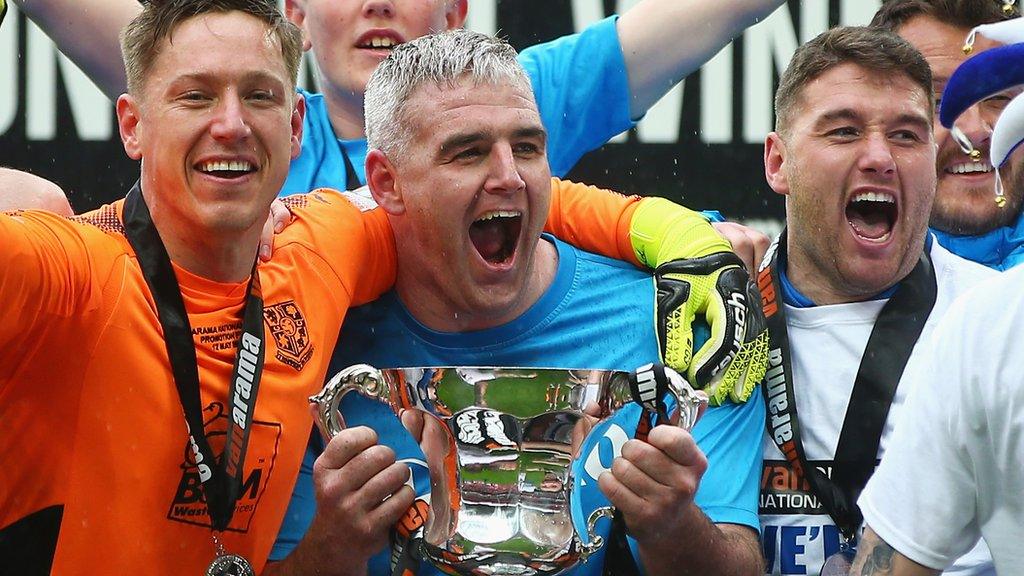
(298, 114)
(295, 10)
(382, 179)
(128, 125)
(455, 14)
(775, 163)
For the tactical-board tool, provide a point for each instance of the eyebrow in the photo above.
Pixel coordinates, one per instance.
(835, 115)
(849, 114)
(467, 138)
(253, 75)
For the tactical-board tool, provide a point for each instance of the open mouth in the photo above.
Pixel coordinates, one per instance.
(495, 235)
(872, 215)
(229, 169)
(969, 168)
(378, 42)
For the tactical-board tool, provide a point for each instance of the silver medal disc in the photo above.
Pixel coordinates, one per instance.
(839, 564)
(230, 565)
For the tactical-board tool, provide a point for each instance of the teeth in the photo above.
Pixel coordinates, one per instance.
(226, 166)
(874, 197)
(498, 214)
(382, 42)
(970, 168)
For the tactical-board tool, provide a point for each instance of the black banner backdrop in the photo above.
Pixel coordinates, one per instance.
(701, 145)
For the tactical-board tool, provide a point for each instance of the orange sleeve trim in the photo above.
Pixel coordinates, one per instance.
(593, 219)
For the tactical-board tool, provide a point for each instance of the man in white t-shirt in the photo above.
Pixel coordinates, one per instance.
(961, 437)
(849, 286)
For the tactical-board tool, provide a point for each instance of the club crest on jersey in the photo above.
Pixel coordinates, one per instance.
(288, 328)
(188, 504)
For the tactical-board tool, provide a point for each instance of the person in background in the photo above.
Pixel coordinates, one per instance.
(965, 217)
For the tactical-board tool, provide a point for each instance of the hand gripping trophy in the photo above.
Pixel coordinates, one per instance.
(507, 451)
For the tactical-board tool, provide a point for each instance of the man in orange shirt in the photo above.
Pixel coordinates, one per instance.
(109, 468)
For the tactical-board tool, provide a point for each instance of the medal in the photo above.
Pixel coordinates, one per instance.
(227, 564)
(230, 565)
(839, 564)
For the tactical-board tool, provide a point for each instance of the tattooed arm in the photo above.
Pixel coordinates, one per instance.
(876, 558)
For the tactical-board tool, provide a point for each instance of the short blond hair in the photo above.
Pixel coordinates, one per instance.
(140, 40)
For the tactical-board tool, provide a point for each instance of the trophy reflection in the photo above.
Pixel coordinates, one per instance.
(503, 449)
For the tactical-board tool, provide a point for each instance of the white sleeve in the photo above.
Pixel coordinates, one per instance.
(922, 498)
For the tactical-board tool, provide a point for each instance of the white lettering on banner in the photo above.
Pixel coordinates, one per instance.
(91, 110)
(768, 47)
(9, 69)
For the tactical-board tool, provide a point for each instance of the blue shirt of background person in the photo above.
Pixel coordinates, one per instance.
(582, 93)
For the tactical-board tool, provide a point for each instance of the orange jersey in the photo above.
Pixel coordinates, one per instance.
(94, 447)
(91, 416)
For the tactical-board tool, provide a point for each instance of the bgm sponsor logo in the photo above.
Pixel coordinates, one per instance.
(288, 328)
(188, 504)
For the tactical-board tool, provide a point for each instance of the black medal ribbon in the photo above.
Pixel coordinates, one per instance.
(221, 480)
(892, 339)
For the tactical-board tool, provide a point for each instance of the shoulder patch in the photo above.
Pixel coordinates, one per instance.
(361, 198)
(105, 218)
(296, 200)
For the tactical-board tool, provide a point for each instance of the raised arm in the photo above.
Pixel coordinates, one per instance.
(23, 191)
(86, 31)
(665, 40)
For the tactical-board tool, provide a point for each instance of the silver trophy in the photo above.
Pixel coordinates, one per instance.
(507, 450)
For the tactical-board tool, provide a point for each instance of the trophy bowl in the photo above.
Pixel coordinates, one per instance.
(508, 451)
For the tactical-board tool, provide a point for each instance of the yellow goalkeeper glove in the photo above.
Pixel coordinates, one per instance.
(698, 277)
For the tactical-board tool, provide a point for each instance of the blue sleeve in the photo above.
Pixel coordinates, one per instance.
(712, 215)
(731, 437)
(582, 91)
(302, 506)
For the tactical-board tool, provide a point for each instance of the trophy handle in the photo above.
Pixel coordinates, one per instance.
(595, 540)
(650, 382)
(361, 378)
(691, 403)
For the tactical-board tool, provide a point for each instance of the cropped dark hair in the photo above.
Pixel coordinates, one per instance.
(871, 48)
(140, 40)
(959, 13)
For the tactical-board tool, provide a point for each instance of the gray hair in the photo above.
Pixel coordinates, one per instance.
(443, 59)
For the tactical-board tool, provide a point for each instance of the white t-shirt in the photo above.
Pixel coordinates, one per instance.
(826, 344)
(955, 467)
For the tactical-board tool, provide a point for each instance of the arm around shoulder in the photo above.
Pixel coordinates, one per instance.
(23, 191)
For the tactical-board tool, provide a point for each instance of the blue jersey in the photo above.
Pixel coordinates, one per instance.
(1000, 249)
(582, 93)
(595, 314)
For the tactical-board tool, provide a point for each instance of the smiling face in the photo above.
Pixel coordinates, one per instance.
(215, 124)
(468, 201)
(964, 198)
(351, 37)
(857, 164)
